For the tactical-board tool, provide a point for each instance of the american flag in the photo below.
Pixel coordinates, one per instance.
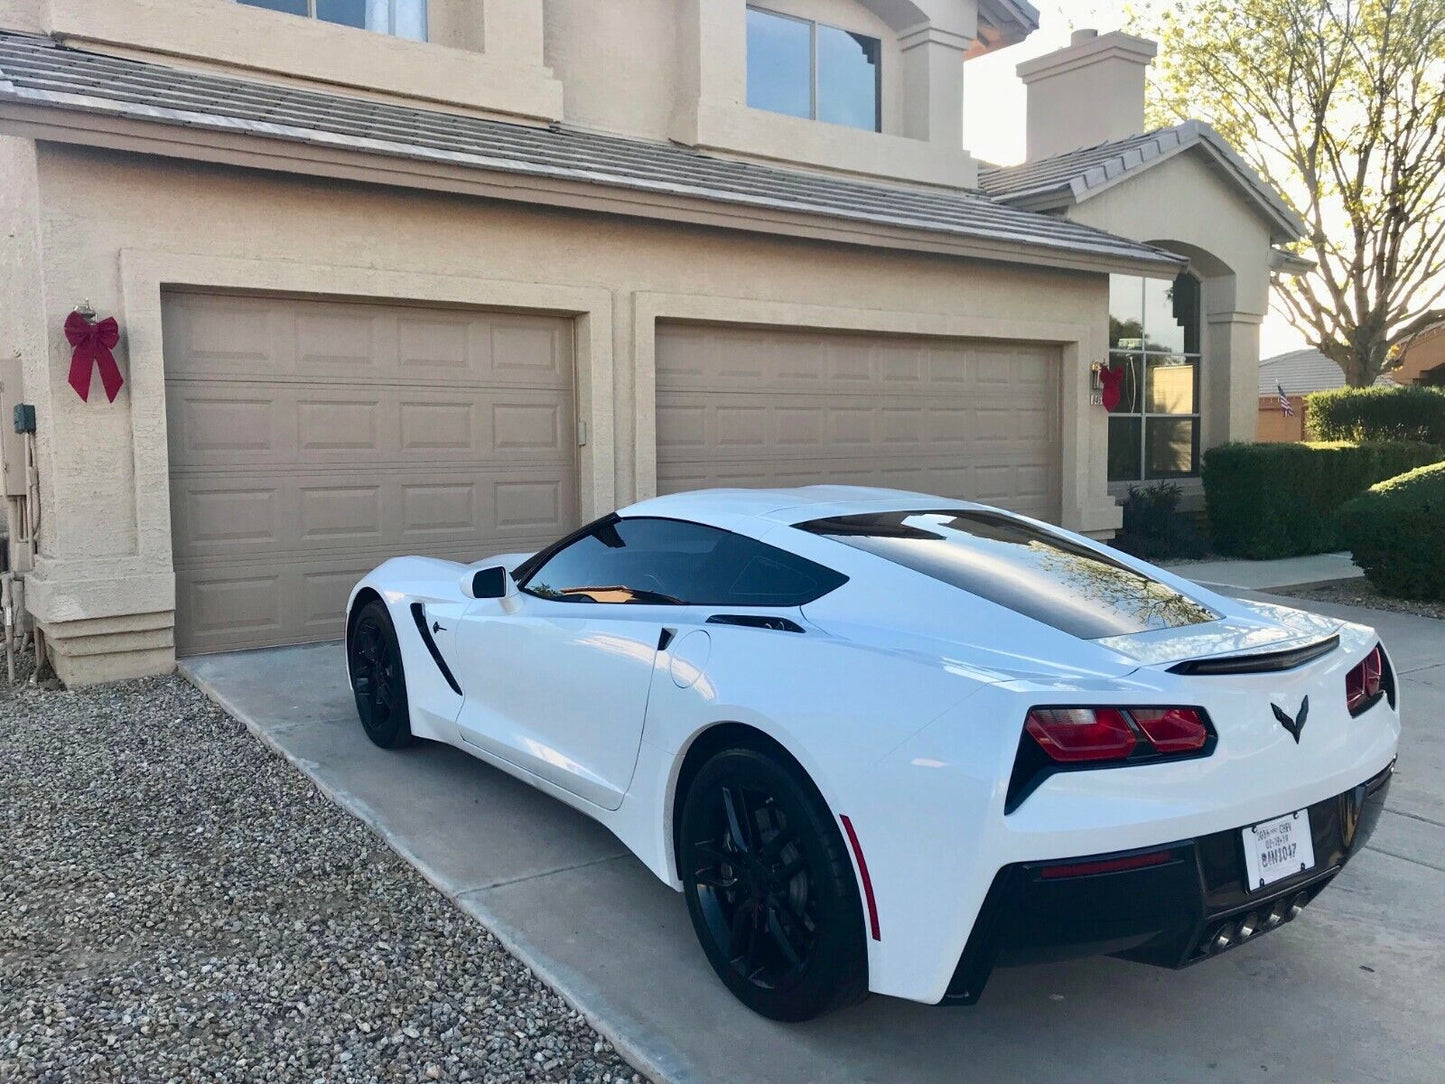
(1284, 404)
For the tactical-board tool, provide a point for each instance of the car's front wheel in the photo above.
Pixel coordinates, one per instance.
(770, 887)
(377, 678)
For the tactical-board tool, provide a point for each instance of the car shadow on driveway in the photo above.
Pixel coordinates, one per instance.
(1354, 989)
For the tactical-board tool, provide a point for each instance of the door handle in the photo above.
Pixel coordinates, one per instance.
(664, 638)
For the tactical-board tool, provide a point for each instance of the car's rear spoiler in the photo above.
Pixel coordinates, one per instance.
(1264, 662)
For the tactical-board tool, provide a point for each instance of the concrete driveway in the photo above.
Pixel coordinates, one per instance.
(1355, 990)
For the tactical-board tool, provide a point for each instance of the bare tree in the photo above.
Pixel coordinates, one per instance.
(1340, 104)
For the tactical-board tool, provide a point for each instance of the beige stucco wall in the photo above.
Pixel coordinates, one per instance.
(482, 54)
(115, 228)
(623, 75)
(660, 69)
(922, 137)
(1183, 205)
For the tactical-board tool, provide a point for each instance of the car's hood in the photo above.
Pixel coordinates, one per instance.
(1243, 628)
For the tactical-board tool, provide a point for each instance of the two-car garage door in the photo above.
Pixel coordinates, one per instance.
(311, 440)
(764, 406)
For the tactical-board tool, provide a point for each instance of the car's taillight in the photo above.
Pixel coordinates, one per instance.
(1363, 683)
(1071, 735)
(1172, 730)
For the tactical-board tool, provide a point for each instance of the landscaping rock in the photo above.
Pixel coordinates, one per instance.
(177, 903)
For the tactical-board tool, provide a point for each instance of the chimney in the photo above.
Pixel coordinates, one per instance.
(1088, 93)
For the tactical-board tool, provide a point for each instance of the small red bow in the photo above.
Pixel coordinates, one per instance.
(93, 343)
(1112, 380)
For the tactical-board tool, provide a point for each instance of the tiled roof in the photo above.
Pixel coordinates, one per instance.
(1076, 175)
(37, 71)
(1300, 372)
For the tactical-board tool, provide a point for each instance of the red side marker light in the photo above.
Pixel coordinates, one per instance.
(863, 872)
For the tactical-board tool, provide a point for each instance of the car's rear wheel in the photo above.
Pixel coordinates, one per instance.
(377, 678)
(770, 887)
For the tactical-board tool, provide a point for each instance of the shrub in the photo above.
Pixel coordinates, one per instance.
(1374, 414)
(1154, 528)
(1279, 500)
(1396, 530)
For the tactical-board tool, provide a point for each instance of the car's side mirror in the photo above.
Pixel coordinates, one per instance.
(492, 582)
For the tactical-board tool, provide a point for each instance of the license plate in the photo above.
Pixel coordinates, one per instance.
(1274, 850)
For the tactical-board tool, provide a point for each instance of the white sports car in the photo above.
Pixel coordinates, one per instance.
(885, 741)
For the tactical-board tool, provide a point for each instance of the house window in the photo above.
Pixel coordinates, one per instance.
(811, 70)
(1154, 338)
(399, 18)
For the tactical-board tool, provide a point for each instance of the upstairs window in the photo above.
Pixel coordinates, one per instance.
(811, 70)
(1154, 338)
(399, 18)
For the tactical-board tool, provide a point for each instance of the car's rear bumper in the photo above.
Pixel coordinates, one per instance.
(1174, 912)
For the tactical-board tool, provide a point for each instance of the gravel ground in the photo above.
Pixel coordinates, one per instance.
(179, 904)
(1358, 592)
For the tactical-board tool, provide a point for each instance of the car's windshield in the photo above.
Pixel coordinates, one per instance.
(1031, 571)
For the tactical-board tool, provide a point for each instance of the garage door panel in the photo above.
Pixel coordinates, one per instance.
(329, 436)
(219, 424)
(241, 338)
(237, 515)
(759, 406)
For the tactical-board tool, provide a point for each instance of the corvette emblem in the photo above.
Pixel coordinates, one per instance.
(1295, 725)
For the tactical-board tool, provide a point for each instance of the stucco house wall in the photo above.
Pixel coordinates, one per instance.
(1184, 206)
(117, 227)
(1423, 360)
(116, 208)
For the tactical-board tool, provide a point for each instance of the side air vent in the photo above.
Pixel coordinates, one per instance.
(756, 621)
(418, 614)
(1266, 662)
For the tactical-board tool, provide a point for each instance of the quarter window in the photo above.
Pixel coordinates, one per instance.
(676, 563)
(399, 18)
(1154, 338)
(811, 70)
(1031, 571)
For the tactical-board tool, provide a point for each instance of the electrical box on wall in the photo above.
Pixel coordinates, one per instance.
(12, 444)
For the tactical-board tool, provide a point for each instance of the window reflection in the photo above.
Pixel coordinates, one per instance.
(807, 69)
(1033, 572)
(847, 78)
(399, 18)
(1154, 333)
(780, 64)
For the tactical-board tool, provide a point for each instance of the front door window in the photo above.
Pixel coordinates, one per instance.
(1154, 336)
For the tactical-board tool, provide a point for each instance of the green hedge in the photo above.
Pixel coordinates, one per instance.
(1279, 500)
(1375, 414)
(1396, 530)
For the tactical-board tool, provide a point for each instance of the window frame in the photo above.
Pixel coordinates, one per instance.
(1143, 413)
(813, 25)
(390, 32)
(529, 569)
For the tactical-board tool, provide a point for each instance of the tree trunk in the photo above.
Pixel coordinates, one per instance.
(1361, 361)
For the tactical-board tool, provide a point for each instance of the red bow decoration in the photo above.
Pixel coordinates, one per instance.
(1113, 380)
(93, 344)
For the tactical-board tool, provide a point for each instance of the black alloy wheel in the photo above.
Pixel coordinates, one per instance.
(377, 678)
(770, 887)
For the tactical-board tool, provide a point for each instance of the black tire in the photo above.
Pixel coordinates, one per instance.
(378, 679)
(777, 910)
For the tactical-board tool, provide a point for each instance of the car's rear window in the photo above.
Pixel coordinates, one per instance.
(1029, 570)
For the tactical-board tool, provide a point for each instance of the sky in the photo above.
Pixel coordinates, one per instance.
(993, 109)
